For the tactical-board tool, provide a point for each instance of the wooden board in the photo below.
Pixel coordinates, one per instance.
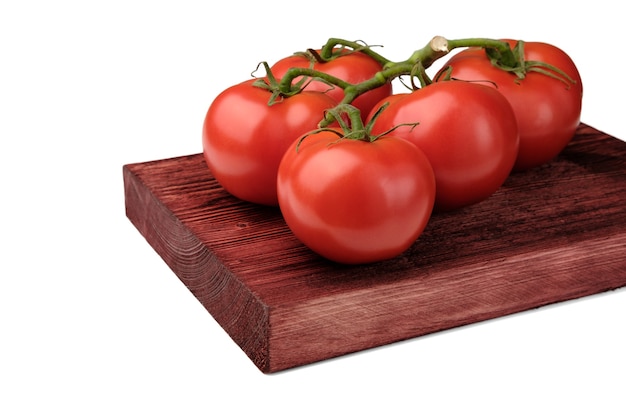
(551, 234)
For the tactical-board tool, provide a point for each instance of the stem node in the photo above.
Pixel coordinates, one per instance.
(439, 44)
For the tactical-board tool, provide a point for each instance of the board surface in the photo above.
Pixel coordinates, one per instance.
(551, 234)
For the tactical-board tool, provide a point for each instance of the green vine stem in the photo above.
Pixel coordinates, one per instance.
(499, 51)
(286, 82)
(327, 50)
(415, 65)
(420, 59)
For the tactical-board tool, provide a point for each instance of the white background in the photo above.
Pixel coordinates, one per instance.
(93, 323)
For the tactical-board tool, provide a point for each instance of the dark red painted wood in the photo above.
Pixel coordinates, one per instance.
(551, 234)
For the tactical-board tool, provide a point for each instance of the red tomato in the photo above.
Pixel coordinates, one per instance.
(547, 109)
(244, 138)
(355, 201)
(467, 131)
(352, 67)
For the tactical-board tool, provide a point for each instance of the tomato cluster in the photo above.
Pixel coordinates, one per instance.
(358, 169)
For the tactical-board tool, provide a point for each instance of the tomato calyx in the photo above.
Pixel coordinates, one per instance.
(417, 72)
(505, 58)
(518, 65)
(353, 128)
(286, 87)
(275, 87)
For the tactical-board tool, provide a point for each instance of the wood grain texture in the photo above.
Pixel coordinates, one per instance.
(554, 233)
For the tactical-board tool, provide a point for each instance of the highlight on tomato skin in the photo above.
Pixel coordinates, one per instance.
(355, 201)
(243, 138)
